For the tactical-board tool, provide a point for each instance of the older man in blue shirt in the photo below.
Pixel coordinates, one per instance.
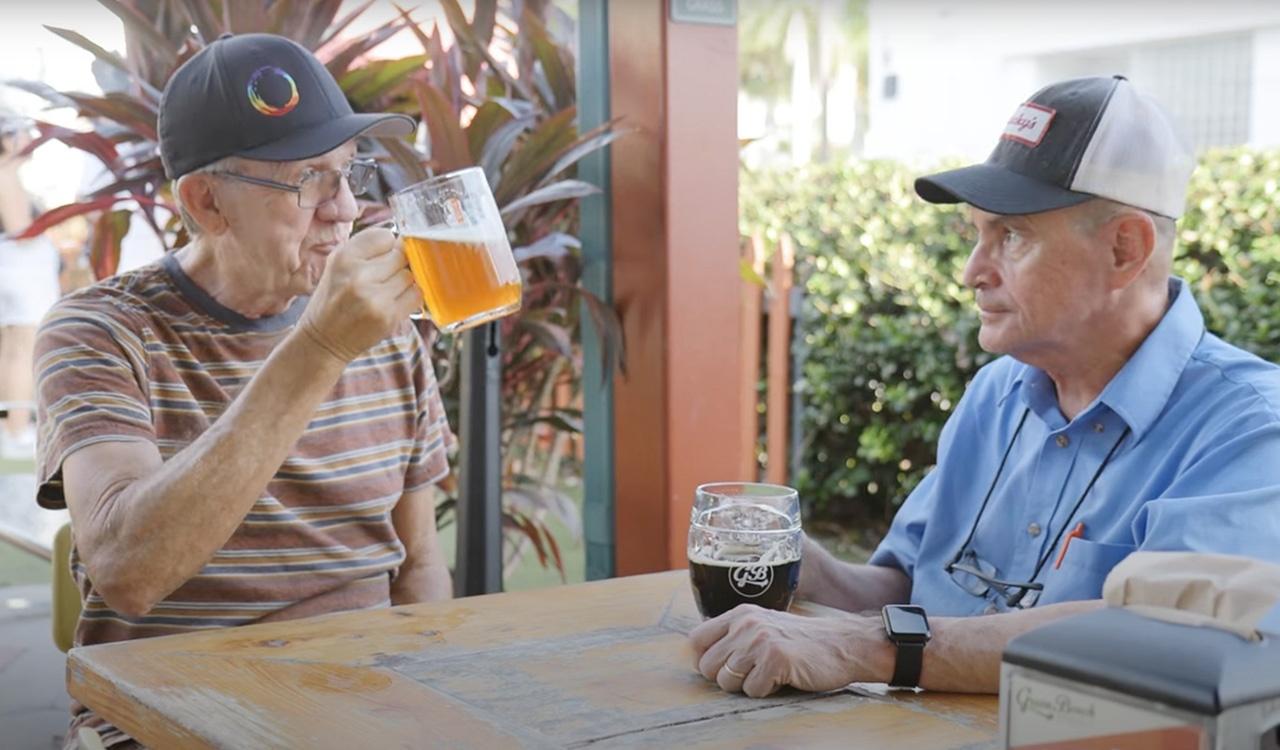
(1115, 423)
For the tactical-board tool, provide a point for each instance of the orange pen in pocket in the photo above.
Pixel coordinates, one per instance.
(1075, 533)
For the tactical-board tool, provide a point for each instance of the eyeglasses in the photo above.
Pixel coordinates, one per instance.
(319, 186)
(978, 577)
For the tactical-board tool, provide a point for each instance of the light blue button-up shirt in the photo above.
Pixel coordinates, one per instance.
(1199, 469)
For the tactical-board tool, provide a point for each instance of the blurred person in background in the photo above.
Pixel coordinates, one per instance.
(28, 288)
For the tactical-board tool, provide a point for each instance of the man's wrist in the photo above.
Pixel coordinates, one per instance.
(309, 338)
(812, 569)
(907, 628)
(872, 655)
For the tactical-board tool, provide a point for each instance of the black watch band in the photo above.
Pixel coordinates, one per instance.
(907, 627)
(906, 670)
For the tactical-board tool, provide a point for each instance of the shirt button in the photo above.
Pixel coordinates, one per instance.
(1063, 441)
(1034, 529)
(990, 610)
(1097, 427)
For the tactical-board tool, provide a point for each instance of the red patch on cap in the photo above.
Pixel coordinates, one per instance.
(1028, 124)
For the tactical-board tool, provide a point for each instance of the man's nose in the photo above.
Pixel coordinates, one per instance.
(341, 208)
(978, 270)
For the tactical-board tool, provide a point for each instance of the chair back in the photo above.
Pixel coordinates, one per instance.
(66, 596)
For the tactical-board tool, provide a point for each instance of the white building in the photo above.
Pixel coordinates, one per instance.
(946, 74)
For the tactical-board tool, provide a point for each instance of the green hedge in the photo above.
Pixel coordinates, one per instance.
(888, 333)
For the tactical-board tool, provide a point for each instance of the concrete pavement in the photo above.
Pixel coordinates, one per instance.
(33, 696)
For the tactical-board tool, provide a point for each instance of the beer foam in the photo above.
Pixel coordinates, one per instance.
(701, 558)
(744, 534)
(472, 235)
(733, 552)
(746, 518)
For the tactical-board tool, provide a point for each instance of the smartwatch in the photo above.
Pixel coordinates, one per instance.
(907, 626)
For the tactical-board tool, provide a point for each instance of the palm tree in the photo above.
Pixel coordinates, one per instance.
(825, 45)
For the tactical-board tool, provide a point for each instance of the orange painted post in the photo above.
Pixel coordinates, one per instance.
(674, 203)
(777, 408)
(752, 294)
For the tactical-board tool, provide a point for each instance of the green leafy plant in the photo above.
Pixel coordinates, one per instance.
(886, 327)
(522, 133)
(494, 90)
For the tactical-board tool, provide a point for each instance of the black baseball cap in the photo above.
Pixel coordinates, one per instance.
(1070, 142)
(260, 96)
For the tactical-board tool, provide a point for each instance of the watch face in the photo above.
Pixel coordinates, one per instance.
(907, 622)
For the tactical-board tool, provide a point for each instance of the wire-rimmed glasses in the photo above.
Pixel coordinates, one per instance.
(317, 187)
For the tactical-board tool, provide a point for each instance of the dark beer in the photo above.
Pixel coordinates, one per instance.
(719, 586)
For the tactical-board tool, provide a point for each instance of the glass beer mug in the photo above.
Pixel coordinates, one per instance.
(457, 249)
(744, 546)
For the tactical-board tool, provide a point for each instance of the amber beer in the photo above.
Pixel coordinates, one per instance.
(719, 586)
(460, 280)
(457, 249)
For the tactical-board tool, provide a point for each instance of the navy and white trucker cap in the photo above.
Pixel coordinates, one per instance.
(1073, 141)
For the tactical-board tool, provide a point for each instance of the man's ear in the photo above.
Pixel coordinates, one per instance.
(1132, 236)
(201, 203)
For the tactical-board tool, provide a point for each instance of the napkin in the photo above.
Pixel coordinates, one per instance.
(1237, 594)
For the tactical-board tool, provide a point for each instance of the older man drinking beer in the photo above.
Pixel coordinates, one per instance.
(249, 429)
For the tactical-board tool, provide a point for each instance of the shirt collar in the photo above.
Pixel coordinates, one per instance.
(205, 302)
(1139, 391)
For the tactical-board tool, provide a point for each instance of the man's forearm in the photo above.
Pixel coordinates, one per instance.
(424, 575)
(166, 525)
(15, 206)
(853, 588)
(964, 655)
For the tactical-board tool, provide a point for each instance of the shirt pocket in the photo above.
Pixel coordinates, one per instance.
(1084, 568)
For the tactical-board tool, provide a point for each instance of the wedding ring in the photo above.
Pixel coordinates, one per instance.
(733, 671)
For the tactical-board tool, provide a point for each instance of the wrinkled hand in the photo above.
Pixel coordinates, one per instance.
(366, 290)
(757, 651)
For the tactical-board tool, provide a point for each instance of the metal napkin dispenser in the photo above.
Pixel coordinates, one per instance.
(1114, 679)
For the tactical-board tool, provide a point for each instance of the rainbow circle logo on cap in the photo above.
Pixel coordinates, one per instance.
(268, 74)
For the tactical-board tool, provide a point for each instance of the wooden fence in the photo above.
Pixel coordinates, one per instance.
(766, 325)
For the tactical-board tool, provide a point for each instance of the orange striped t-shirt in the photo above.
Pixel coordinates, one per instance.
(148, 355)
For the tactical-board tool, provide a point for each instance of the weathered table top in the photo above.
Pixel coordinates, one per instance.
(603, 665)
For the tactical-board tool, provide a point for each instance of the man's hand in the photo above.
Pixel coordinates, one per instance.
(365, 292)
(757, 651)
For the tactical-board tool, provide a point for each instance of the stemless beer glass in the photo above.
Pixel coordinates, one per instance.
(458, 249)
(744, 546)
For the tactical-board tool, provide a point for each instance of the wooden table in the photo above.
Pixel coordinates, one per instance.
(598, 665)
